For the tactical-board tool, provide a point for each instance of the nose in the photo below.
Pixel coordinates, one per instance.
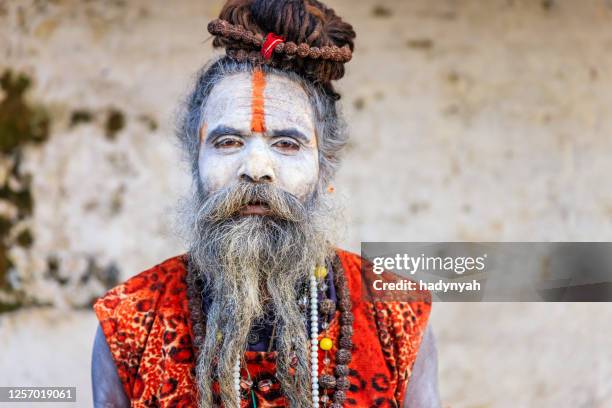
(257, 166)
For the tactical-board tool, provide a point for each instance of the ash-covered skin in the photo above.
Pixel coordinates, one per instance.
(276, 155)
(285, 153)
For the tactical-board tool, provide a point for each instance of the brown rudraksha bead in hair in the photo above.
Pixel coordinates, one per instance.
(326, 52)
(317, 41)
(291, 48)
(314, 52)
(302, 50)
(235, 34)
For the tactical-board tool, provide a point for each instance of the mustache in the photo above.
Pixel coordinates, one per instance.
(227, 202)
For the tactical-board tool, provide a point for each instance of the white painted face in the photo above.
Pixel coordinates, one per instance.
(259, 127)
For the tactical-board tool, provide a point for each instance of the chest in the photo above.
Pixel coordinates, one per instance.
(167, 369)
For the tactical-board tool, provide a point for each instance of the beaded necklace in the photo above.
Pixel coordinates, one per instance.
(337, 383)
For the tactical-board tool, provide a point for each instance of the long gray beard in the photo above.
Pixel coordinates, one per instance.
(253, 266)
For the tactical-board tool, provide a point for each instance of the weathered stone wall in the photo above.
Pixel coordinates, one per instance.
(470, 120)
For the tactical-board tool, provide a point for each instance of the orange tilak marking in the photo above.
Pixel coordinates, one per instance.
(258, 121)
(203, 130)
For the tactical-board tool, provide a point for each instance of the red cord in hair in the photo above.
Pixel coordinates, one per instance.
(272, 40)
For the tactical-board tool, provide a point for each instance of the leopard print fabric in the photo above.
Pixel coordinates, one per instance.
(147, 327)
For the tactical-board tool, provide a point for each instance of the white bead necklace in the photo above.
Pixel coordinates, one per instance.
(314, 349)
(314, 334)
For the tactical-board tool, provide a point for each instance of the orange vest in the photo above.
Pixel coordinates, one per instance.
(147, 327)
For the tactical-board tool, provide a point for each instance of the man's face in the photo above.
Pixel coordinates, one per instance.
(256, 245)
(259, 128)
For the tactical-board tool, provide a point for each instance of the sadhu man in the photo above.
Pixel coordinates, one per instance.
(263, 310)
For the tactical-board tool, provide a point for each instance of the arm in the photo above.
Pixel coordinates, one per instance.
(422, 389)
(107, 389)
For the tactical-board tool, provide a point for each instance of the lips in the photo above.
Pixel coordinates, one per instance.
(255, 208)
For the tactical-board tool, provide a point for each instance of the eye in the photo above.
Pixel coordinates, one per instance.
(287, 145)
(228, 143)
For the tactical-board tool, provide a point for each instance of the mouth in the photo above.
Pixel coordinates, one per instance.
(255, 208)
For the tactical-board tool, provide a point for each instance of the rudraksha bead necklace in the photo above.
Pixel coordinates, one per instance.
(340, 382)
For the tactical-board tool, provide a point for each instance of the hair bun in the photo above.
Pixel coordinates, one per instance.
(317, 41)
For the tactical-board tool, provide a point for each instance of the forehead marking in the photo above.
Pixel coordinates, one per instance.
(203, 130)
(258, 122)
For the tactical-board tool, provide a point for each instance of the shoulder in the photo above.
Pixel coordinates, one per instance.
(126, 312)
(384, 287)
(400, 316)
(141, 289)
(147, 280)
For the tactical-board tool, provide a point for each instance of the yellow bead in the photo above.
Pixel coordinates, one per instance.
(219, 335)
(326, 343)
(320, 272)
